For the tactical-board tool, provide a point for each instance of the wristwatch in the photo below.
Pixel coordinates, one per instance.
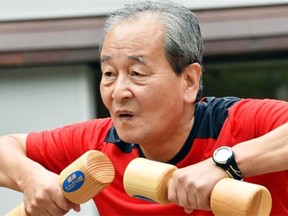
(224, 157)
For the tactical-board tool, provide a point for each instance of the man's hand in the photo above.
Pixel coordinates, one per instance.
(191, 187)
(43, 196)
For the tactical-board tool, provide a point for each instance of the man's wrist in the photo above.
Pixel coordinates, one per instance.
(224, 157)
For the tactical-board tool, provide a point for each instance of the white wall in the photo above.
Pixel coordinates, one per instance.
(37, 98)
(43, 98)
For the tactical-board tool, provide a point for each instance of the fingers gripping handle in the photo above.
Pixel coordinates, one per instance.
(148, 179)
(82, 179)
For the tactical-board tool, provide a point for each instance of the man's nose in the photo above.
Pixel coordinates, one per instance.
(122, 89)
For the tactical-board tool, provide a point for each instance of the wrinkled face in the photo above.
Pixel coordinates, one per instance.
(138, 86)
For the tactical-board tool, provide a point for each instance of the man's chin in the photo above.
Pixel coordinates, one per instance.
(128, 138)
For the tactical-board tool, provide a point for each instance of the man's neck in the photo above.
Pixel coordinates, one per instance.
(166, 148)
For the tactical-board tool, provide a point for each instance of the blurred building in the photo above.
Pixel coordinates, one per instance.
(49, 60)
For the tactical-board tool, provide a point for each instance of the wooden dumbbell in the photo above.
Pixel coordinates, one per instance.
(82, 179)
(148, 179)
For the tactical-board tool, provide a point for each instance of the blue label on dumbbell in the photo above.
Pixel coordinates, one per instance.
(143, 198)
(73, 182)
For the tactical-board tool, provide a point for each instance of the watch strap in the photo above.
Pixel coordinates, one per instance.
(230, 166)
(232, 169)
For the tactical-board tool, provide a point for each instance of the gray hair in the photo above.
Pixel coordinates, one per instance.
(183, 41)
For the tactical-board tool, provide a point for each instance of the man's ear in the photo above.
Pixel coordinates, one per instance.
(192, 75)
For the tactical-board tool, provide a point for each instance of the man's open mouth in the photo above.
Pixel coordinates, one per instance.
(124, 114)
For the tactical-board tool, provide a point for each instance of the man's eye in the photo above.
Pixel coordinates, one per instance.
(137, 74)
(108, 74)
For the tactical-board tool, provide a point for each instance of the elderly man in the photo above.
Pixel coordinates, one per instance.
(151, 84)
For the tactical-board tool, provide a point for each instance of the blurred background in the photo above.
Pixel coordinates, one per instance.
(50, 72)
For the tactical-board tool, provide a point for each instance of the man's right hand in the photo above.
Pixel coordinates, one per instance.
(43, 196)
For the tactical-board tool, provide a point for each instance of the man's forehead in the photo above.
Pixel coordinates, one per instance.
(133, 41)
(137, 58)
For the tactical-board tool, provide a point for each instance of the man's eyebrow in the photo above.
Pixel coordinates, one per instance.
(105, 58)
(137, 58)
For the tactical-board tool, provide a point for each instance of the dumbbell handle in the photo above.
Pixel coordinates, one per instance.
(149, 179)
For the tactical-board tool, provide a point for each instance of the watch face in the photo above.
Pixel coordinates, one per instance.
(222, 154)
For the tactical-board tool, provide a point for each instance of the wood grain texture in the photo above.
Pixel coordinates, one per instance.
(148, 179)
(231, 197)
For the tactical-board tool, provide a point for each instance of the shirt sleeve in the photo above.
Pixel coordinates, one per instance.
(251, 118)
(55, 149)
